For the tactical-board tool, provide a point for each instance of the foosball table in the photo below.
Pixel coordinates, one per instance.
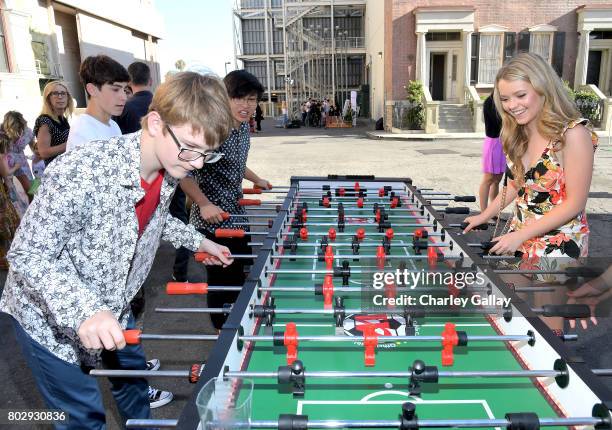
(336, 326)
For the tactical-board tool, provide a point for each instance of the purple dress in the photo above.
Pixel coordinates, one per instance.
(16, 155)
(493, 158)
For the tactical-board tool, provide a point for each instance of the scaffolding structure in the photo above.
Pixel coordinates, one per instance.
(308, 49)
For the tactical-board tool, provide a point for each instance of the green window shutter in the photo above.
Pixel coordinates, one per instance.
(474, 58)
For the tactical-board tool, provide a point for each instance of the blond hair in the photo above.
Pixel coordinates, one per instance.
(5, 143)
(195, 99)
(47, 108)
(557, 111)
(13, 125)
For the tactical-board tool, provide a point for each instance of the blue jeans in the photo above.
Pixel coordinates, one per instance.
(69, 388)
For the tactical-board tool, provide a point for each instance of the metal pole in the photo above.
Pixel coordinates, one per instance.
(333, 54)
(267, 36)
(235, 28)
(285, 49)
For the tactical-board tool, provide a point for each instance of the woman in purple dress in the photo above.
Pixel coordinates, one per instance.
(493, 158)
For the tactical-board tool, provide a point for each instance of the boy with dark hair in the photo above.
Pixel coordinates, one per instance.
(216, 188)
(105, 82)
(138, 105)
(89, 240)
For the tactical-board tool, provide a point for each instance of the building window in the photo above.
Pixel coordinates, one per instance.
(442, 36)
(595, 35)
(490, 59)
(4, 65)
(541, 44)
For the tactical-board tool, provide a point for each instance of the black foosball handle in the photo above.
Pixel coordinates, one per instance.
(466, 199)
(484, 226)
(462, 211)
(566, 311)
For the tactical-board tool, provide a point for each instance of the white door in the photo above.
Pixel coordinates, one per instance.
(453, 76)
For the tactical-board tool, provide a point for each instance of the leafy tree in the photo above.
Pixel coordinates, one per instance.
(180, 65)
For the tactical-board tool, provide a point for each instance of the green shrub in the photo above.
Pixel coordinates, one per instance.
(588, 104)
(414, 118)
(349, 115)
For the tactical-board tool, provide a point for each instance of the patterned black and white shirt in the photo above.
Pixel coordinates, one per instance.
(77, 250)
(221, 182)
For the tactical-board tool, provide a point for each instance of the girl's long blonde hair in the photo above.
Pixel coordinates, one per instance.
(13, 125)
(47, 108)
(558, 109)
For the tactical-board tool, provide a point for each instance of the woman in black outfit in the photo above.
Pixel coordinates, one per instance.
(51, 127)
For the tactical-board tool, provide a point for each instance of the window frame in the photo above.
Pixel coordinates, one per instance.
(500, 56)
(6, 41)
(551, 41)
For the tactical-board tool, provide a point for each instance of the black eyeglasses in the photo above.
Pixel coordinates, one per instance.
(192, 155)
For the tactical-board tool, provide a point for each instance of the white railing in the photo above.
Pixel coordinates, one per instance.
(432, 112)
(346, 43)
(472, 99)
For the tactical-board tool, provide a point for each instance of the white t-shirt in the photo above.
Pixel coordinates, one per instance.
(86, 128)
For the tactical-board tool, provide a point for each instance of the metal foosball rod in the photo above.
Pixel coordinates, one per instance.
(408, 420)
(199, 288)
(361, 225)
(201, 256)
(323, 244)
(297, 374)
(346, 270)
(360, 232)
(392, 206)
(134, 337)
(379, 198)
(269, 311)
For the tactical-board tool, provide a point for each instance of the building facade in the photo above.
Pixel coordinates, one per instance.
(455, 48)
(304, 49)
(44, 40)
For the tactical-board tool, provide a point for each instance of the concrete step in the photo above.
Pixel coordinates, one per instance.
(455, 118)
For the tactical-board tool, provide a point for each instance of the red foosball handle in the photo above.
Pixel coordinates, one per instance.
(251, 191)
(201, 256)
(183, 288)
(249, 202)
(195, 372)
(132, 337)
(225, 215)
(229, 233)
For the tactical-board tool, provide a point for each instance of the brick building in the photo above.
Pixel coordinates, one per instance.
(455, 48)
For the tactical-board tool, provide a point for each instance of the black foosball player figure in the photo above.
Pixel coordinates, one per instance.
(217, 188)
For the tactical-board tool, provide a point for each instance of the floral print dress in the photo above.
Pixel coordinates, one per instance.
(9, 220)
(544, 188)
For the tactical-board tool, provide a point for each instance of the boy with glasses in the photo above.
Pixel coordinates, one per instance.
(216, 188)
(89, 241)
